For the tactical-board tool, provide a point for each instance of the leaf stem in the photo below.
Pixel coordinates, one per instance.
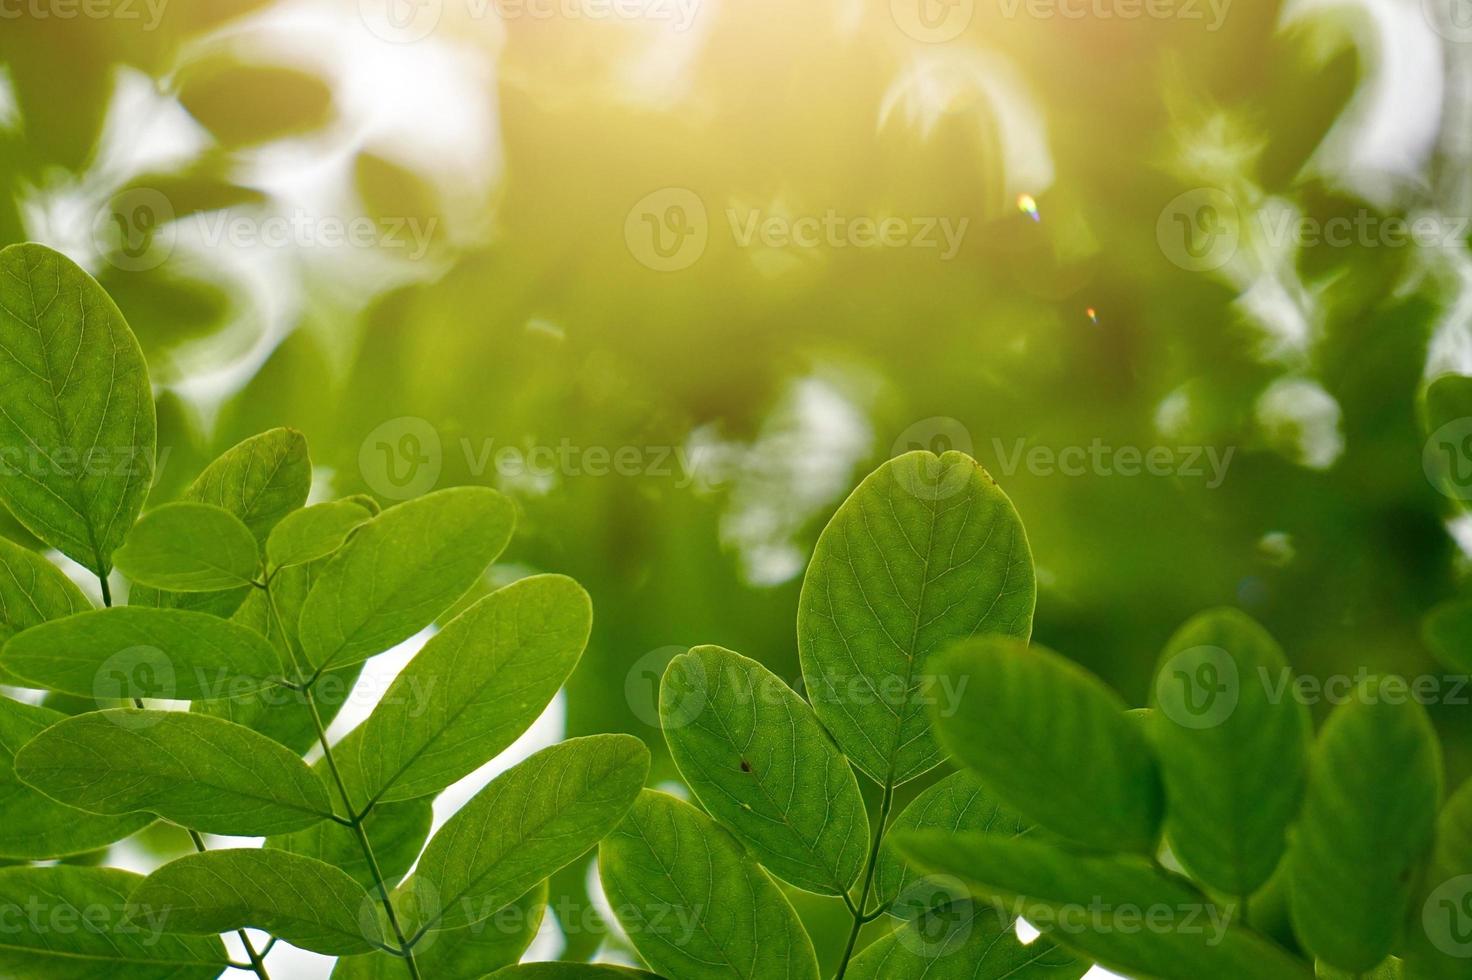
(873, 863)
(406, 949)
(106, 590)
(257, 964)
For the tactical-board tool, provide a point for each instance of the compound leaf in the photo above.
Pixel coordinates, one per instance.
(101, 944)
(397, 832)
(757, 758)
(1119, 910)
(37, 827)
(189, 547)
(962, 941)
(136, 652)
(470, 692)
(1368, 820)
(400, 570)
(528, 822)
(76, 420)
(202, 773)
(694, 903)
(926, 551)
(304, 901)
(1052, 742)
(1233, 753)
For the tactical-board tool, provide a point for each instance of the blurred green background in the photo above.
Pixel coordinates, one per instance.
(624, 261)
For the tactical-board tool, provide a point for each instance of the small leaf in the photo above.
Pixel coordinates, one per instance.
(102, 944)
(32, 591)
(468, 953)
(962, 941)
(132, 652)
(471, 692)
(528, 822)
(188, 547)
(313, 532)
(77, 425)
(927, 550)
(397, 832)
(37, 827)
(1447, 630)
(1119, 910)
(570, 971)
(1368, 820)
(1439, 944)
(1052, 741)
(307, 903)
(202, 773)
(694, 903)
(400, 570)
(756, 756)
(957, 803)
(1233, 754)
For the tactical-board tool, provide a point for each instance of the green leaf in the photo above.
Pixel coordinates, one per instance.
(962, 941)
(1439, 943)
(757, 758)
(77, 426)
(307, 903)
(400, 570)
(70, 923)
(526, 824)
(132, 652)
(1121, 911)
(397, 832)
(313, 532)
(957, 803)
(468, 953)
(1233, 744)
(1391, 969)
(1447, 630)
(472, 690)
(202, 773)
(694, 903)
(37, 827)
(188, 547)
(32, 591)
(927, 550)
(570, 971)
(1052, 742)
(1368, 819)
(260, 481)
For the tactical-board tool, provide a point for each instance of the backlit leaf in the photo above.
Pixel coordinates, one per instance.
(397, 832)
(32, 591)
(189, 547)
(962, 941)
(1439, 940)
(313, 532)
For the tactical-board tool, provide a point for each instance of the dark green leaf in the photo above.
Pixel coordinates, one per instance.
(32, 591)
(526, 824)
(1052, 742)
(200, 772)
(756, 756)
(694, 903)
(472, 690)
(1122, 911)
(37, 827)
(133, 652)
(71, 923)
(1447, 630)
(927, 550)
(1368, 818)
(189, 547)
(399, 570)
(1439, 943)
(962, 941)
(77, 425)
(1233, 748)
(307, 903)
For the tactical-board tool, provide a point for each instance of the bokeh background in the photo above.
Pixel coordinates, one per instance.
(676, 273)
